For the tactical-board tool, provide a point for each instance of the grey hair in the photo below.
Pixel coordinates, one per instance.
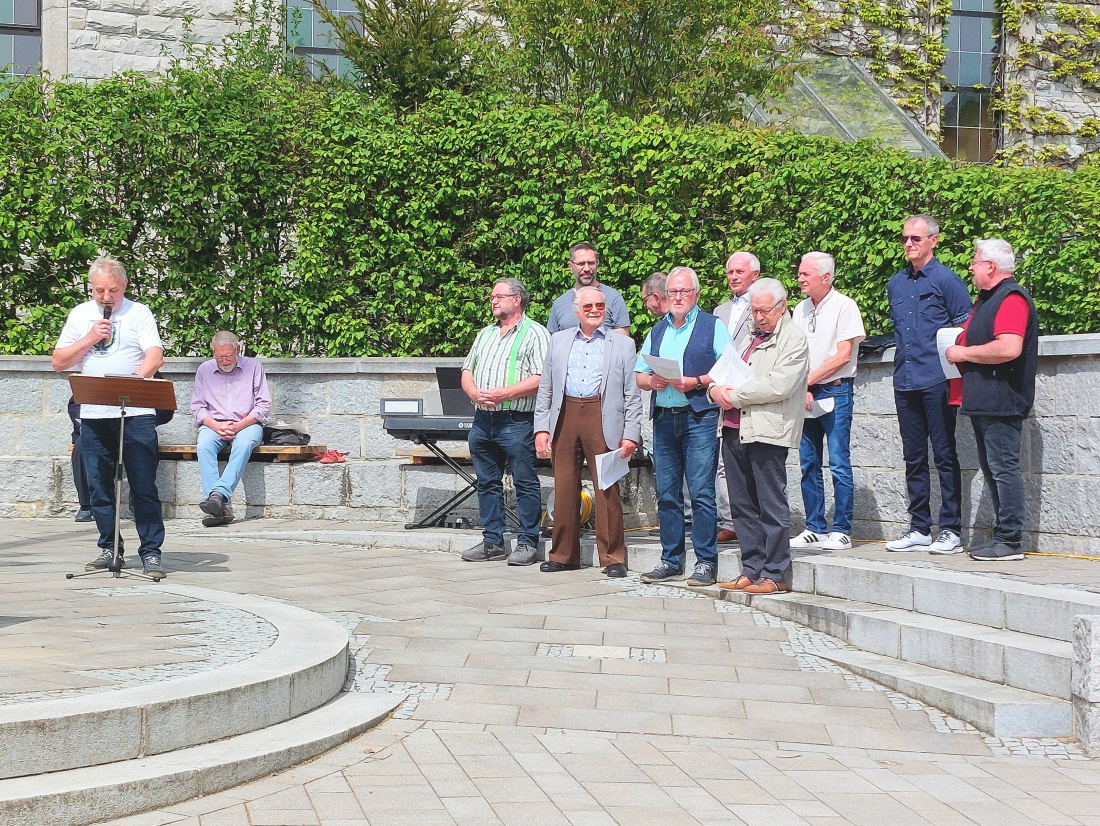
(768, 286)
(516, 288)
(823, 261)
(655, 283)
(578, 293)
(930, 223)
(754, 262)
(683, 271)
(583, 245)
(109, 267)
(997, 251)
(223, 337)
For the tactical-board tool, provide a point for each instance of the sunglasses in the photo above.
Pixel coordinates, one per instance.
(916, 239)
(590, 306)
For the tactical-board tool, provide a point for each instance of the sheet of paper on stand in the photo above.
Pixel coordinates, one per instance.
(731, 369)
(665, 368)
(945, 337)
(610, 468)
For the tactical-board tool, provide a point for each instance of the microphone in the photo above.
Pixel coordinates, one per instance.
(107, 312)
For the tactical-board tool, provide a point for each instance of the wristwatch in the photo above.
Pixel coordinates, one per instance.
(699, 383)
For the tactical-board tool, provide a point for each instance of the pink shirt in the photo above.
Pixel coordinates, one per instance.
(229, 397)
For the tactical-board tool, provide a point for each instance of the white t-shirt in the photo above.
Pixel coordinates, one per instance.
(133, 331)
(836, 318)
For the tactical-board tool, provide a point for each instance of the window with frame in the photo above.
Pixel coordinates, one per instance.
(309, 36)
(20, 37)
(968, 128)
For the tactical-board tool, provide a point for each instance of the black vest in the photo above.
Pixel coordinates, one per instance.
(1006, 389)
(698, 358)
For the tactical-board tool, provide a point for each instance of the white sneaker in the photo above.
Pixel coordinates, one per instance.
(837, 541)
(947, 542)
(909, 540)
(806, 540)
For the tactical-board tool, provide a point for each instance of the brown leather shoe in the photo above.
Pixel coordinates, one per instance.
(725, 535)
(738, 584)
(766, 586)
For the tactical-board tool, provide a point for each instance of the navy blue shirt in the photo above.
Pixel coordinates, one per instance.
(921, 303)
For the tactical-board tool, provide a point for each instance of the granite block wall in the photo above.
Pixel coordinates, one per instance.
(337, 401)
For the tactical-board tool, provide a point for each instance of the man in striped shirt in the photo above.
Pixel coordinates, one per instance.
(501, 376)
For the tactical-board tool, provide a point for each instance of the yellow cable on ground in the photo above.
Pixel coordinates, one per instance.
(1064, 556)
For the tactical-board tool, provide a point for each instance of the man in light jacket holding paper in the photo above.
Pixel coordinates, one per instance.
(763, 421)
(588, 404)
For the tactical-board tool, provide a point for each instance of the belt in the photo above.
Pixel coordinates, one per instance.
(680, 409)
(815, 387)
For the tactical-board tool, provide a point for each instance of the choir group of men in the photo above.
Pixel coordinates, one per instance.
(571, 391)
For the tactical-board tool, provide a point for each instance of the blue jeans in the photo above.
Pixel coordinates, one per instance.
(999, 441)
(684, 447)
(99, 444)
(240, 448)
(836, 427)
(496, 438)
(923, 416)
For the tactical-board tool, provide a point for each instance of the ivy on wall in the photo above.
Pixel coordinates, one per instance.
(316, 222)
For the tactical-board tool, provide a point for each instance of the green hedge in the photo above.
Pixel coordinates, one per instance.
(314, 222)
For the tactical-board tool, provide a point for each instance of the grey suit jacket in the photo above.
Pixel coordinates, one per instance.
(620, 398)
(740, 327)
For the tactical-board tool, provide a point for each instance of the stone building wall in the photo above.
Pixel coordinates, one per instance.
(338, 399)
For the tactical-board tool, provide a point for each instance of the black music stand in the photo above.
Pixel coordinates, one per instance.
(121, 391)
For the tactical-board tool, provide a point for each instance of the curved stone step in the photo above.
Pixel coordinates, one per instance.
(304, 668)
(91, 794)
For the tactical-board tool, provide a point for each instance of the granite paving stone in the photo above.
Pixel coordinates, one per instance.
(729, 728)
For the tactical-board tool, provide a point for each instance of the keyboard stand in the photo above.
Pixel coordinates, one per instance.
(438, 517)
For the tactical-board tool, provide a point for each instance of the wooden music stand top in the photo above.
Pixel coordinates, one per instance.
(159, 394)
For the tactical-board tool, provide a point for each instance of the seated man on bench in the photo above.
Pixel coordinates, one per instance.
(230, 402)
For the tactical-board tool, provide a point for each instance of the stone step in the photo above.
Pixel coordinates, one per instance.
(1011, 658)
(304, 668)
(87, 795)
(994, 709)
(990, 600)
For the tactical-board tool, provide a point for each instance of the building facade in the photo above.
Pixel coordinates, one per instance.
(983, 79)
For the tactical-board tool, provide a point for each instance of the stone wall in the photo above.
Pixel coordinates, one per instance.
(337, 399)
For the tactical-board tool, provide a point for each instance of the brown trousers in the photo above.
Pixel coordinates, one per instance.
(580, 438)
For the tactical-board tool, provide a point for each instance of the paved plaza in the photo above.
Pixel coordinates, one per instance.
(531, 698)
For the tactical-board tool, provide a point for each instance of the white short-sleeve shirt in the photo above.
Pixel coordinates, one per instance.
(836, 318)
(133, 331)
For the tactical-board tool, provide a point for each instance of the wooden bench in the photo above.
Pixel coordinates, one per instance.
(263, 453)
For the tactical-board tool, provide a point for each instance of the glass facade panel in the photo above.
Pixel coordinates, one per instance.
(7, 11)
(309, 36)
(26, 13)
(968, 127)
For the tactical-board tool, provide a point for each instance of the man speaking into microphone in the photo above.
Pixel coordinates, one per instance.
(112, 335)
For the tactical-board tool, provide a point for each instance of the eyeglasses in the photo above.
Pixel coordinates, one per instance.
(500, 296)
(756, 312)
(679, 293)
(590, 306)
(811, 321)
(647, 296)
(916, 239)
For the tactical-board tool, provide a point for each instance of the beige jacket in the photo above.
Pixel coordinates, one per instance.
(773, 404)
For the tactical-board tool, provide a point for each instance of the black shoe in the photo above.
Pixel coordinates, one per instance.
(214, 504)
(84, 516)
(553, 567)
(217, 521)
(997, 552)
(615, 571)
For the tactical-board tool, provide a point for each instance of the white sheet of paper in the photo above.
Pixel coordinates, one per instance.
(610, 468)
(945, 337)
(819, 407)
(665, 368)
(731, 369)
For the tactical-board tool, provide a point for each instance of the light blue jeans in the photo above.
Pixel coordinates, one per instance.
(241, 447)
